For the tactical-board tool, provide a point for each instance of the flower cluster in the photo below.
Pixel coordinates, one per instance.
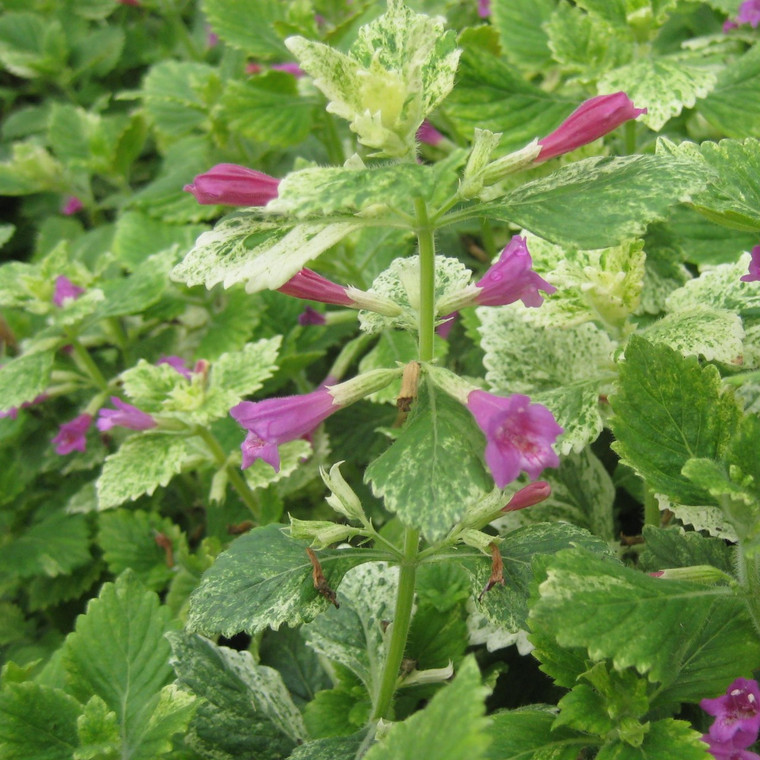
(737, 721)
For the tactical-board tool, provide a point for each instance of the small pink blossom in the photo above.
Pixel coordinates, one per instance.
(125, 415)
(591, 120)
(447, 322)
(252, 68)
(233, 185)
(311, 317)
(728, 25)
(749, 13)
(289, 68)
(65, 290)
(753, 273)
(177, 363)
(71, 205)
(519, 435)
(723, 752)
(311, 286)
(512, 278)
(71, 435)
(484, 8)
(278, 420)
(427, 133)
(533, 493)
(737, 714)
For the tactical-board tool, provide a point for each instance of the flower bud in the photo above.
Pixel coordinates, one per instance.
(342, 499)
(533, 493)
(321, 533)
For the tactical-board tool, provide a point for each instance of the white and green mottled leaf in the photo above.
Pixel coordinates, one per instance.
(715, 334)
(264, 580)
(599, 202)
(31, 44)
(433, 471)
(263, 254)
(246, 707)
(149, 385)
(30, 169)
(142, 463)
(400, 283)
(564, 369)
(453, 725)
(354, 634)
(24, 378)
(664, 85)
(709, 519)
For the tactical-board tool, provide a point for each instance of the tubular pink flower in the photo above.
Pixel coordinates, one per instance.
(311, 317)
(71, 435)
(71, 205)
(311, 286)
(753, 273)
(727, 752)
(511, 278)
(447, 323)
(737, 714)
(289, 68)
(279, 420)
(519, 435)
(591, 120)
(749, 13)
(65, 290)
(484, 8)
(533, 493)
(177, 363)
(427, 133)
(125, 415)
(233, 185)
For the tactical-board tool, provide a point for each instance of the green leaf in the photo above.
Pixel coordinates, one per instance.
(353, 635)
(118, 652)
(98, 730)
(564, 369)
(337, 712)
(507, 605)
(433, 471)
(250, 27)
(269, 109)
(715, 334)
(664, 86)
(31, 169)
(674, 547)
(732, 107)
(31, 45)
(51, 547)
(491, 95)
(245, 709)
(667, 410)
(598, 202)
(732, 194)
(128, 539)
(618, 614)
(613, 11)
(452, 726)
(232, 320)
(37, 721)
(24, 378)
(149, 385)
(263, 254)
(527, 734)
(334, 748)
(522, 31)
(143, 462)
(666, 740)
(264, 580)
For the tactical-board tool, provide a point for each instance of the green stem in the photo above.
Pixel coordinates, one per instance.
(332, 142)
(400, 629)
(426, 243)
(629, 131)
(236, 479)
(652, 514)
(86, 363)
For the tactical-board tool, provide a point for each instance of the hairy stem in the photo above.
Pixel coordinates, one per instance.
(426, 243)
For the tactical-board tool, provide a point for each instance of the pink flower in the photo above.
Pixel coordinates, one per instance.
(125, 415)
(65, 290)
(313, 287)
(533, 493)
(71, 205)
(279, 420)
(511, 278)
(447, 323)
(749, 13)
(484, 8)
(737, 714)
(71, 435)
(288, 68)
(427, 133)
(233, 185)
(311, 317)
(177, 363)
(753, 273)
(722, 752)
(591, 120)
(519, 435)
